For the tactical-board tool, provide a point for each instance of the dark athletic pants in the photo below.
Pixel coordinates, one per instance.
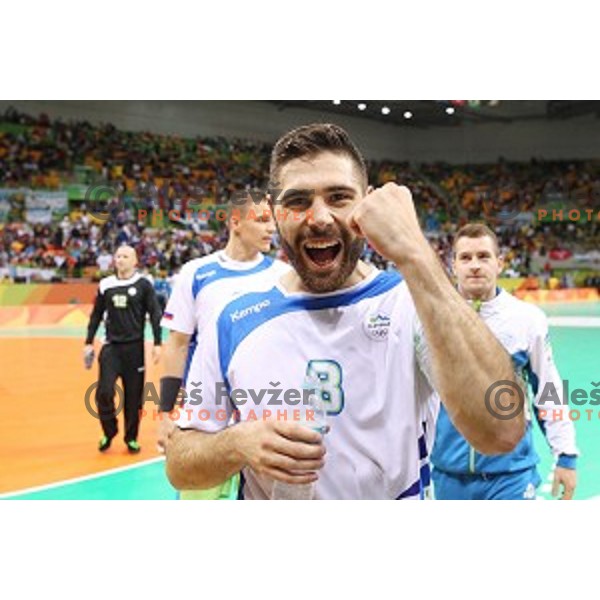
(127, 362)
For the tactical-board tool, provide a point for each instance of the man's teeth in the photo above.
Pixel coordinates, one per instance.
(320, 245)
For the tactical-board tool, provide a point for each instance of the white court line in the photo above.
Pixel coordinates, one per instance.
(56, 484)
(574, 321)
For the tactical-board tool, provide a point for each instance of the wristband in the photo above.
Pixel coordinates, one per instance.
(567, 461)
(169, 390)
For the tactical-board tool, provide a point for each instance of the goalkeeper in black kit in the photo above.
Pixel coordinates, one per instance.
(123, 301)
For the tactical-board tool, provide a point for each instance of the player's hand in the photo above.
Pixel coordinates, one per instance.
(283, 451)
(88, 355)
(166, 427)
(387, 218)
(567, 478)
(155, 354)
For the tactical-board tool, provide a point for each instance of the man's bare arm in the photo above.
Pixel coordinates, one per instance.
(197, 460)
(174, 359)
(279, 450)
(175, 354)
(466, 358)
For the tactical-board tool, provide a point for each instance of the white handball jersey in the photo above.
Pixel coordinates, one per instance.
(359, 343)
(206, 284)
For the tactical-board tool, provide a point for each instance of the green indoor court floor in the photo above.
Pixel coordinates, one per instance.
(576, 355)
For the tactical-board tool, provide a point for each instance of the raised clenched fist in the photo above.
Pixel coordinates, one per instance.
(387, 218)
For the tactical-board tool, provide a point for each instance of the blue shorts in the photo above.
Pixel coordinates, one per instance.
(520, 485)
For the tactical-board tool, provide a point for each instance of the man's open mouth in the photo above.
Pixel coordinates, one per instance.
(323, 253)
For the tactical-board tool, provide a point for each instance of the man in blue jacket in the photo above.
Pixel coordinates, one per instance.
(461, 473)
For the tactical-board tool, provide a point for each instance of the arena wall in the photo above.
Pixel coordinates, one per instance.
(576, 138)
(16, 294)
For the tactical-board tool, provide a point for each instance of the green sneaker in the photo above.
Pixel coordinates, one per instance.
(104, 444)
(133, 447)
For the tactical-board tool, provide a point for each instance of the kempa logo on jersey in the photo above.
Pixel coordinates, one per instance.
(377, 327)
(251, 310)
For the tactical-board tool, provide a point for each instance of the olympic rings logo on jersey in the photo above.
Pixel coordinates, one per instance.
(377, 327)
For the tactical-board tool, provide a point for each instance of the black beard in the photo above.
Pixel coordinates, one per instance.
(352, 248)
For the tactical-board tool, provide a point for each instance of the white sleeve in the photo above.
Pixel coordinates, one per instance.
(207, 406)
(179, 313)
(559, 432)
(429, 399)
(422, 354)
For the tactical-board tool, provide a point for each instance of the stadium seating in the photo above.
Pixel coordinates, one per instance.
(150, 171)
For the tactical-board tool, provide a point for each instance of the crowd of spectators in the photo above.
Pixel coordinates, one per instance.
(44, 153)
(168, 171)
(79, 246)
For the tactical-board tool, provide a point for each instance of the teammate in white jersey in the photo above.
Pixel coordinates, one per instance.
(206, 284)
(352, 327)
(461, 473)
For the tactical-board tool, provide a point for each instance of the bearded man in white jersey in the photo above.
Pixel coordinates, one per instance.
(376, 342)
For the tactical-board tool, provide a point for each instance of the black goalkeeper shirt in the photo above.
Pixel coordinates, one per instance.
(123, 303)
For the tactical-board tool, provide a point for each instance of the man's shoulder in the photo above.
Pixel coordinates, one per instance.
(525, 320)
(107, 282)
(191, 266)
(388, 284)
(108, 279)
(523, 309)
(145, 282)
(112, 281)
(197, 268)
(278, 265)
